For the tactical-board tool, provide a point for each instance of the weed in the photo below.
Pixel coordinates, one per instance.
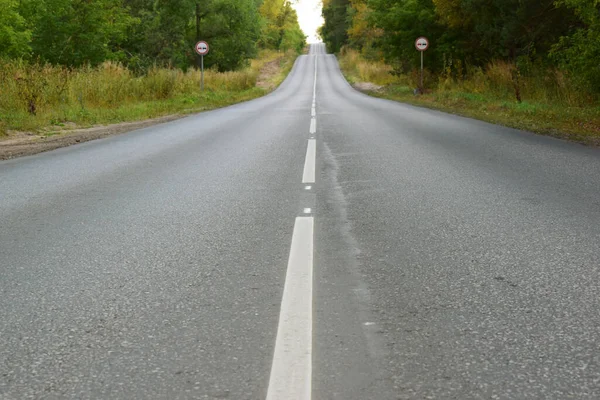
(361, 70)
(34, 95)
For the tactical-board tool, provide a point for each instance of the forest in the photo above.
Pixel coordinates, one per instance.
(145, 33)
(85, 62)
(527, 37)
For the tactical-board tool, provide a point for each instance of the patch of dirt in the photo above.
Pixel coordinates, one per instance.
(590, 126)
(268, 71)
(367, 87)
(19, 144)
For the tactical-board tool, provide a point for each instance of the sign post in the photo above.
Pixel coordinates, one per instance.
(422, 44)
(202, 50)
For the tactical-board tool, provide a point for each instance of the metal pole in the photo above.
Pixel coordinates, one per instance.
(202, 73)
(422, 89)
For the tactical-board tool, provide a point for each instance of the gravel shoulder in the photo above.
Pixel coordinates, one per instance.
(22, 144)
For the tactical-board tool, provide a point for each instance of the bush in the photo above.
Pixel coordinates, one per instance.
(376, 72)
(500, 80)
(35, 94)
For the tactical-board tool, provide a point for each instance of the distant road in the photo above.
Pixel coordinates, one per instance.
(314, 243)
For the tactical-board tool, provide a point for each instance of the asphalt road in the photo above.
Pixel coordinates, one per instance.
(417, 255)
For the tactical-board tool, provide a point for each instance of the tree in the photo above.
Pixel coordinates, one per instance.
(505, 29)
(170, 28)
(579, 52)
(402, 22)
(291, 36)
(269, 11)
(281, 29)
(172, 40)
(337, 21)
(361, 34)
(233, 30)
(14, 36)
(76, 32)
(143, 33)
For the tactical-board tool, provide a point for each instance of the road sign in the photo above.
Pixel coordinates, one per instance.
(422, 43)
(202, 48)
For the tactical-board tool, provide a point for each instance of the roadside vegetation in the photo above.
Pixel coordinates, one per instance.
(518, 63)
(34, 96)
(70, 63)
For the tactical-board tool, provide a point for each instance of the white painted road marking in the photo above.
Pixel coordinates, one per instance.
(291, 373)
(310, 163)
(315, 84)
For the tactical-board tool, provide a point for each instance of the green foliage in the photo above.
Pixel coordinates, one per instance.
(293, 39)
(470, 35)
(337, 22)
(579, 52)
(233, 32)
(403, 21)
(76, 32)
(142, 34)
(281, 30)
(507, 29)
(474, 31)
(14, 35)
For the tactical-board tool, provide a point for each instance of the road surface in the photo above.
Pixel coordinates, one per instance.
(315, 243)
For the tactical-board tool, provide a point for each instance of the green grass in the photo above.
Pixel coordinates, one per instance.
(550, 105)
(110, 93)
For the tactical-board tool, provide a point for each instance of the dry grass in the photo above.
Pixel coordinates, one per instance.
(357, 69)
(34, 96)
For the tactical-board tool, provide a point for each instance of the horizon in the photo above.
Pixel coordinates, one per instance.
(310, 18)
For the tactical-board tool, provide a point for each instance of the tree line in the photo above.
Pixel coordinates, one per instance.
(469, 34)
(145, 33)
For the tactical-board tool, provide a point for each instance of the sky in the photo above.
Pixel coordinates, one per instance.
(309, 16)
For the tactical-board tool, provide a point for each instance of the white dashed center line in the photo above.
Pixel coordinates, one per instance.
(291, 372)
(313, 125)
(315, 84)
(310, 163)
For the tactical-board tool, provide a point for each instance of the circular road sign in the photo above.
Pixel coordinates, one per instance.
(202, 48)
(422, 43)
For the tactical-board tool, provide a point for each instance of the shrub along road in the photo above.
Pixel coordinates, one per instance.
(418, 255)
(116, 98)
